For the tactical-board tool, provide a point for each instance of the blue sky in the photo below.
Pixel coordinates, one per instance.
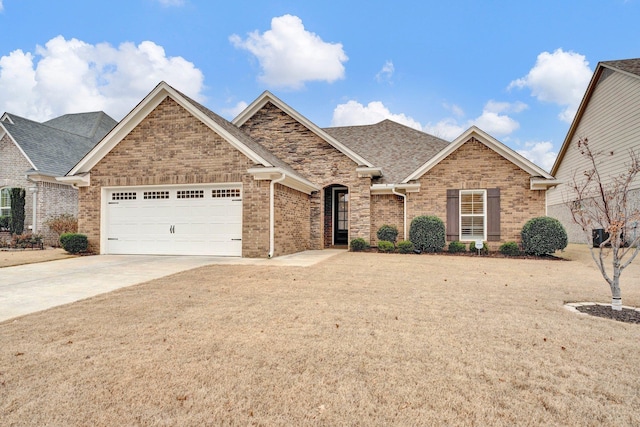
(516, 69)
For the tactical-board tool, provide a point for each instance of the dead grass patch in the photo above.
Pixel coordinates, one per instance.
(361, 339)
(10, 258)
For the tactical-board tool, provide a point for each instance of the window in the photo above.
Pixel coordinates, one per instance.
(5, 202)
(124, 196)
(225, 192)
(190, 194)
(473, 214)
(151, 195)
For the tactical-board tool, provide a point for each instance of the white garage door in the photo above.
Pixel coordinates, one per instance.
(202, 220)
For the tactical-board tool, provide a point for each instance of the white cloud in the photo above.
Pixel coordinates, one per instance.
(492, 120)
(540, 153)
(289, 55)
(448, 129)
(69, 76)
(559, 77)
(353, 113)
(1, 6)
(235, 110)
(386, 73)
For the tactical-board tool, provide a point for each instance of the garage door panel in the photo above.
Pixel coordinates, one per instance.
(188, 221)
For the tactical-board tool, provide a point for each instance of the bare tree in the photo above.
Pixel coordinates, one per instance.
(604, 203)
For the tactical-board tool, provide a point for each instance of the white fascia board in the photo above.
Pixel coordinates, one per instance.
(6, 118)
(369, 171)
(388, 188)
(488, 141)
(36, 176)
(142, 110)
(538, 183)
(291, 181)
(267, 96)
(83, 180)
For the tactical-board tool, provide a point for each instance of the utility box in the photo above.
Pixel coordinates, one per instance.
(599, 236)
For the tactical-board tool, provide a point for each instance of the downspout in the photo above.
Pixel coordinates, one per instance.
(404, 206)
(34, 209)
(272, 221)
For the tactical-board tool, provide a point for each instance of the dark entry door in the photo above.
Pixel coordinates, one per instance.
(341, 216)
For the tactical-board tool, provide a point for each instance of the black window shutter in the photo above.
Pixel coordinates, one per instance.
(453, 215)
(493, 214)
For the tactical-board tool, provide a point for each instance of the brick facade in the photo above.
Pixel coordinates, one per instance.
(386, 209)
(475, 166)
(170, 146)
(52, 198)
(317, 161)
(292, 220)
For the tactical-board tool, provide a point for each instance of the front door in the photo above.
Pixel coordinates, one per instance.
(340, 216)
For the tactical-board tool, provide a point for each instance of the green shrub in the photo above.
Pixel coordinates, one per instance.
(358, 244)
(543, 235)
(74, 243)
(509, 249)
(388, 233)
(385, 246)
(405, 247)
(16, 223)
(456, 246)
(483, 251)
(427, 233)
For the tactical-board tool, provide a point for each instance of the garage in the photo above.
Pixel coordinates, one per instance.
(174, 220)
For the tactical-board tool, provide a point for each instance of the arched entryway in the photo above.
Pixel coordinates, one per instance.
(336, 215)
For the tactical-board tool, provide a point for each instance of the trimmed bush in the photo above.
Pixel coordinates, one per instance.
(509, 249)
(358, 244)
(427, 233)
(543, 235)
(483, 251)
(74, 243)
(405, 247)
(388, 233)
(64, 223)
(385, 246)
(457, 246)
(16, 223)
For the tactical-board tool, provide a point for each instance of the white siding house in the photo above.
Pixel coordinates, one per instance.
(609, 117)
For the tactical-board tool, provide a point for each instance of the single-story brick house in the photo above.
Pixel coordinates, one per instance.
(34, 154)
(175, 178)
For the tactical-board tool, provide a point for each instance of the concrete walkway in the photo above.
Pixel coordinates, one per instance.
(29, 288)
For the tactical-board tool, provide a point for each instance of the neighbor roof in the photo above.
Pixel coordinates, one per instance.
(54, 147)
(627, 65)
(397, 149)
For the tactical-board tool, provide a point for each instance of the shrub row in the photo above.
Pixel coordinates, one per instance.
(540, 236)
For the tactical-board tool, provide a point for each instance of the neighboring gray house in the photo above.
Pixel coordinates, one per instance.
(33, 154)
(609, 117)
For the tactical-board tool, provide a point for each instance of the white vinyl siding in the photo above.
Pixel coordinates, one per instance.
(611, 123)
(473, 215)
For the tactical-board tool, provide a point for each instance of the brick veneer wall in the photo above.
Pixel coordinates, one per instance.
(386, 209)
(13, 168)
(475, 166)
(170, 146)
(53, 200)
(292, 221)
(317, 161)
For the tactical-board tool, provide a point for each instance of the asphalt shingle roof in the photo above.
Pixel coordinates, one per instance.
(54, 147)
(629, 65)
(399, 150)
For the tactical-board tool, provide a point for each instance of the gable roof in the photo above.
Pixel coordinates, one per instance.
(490, 142)
(233, 135)
(630, 67)
(395, 148)
(268, 97)
(53, 147)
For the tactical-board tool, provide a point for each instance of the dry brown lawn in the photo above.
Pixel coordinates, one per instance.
(360, 339)
(29, 256)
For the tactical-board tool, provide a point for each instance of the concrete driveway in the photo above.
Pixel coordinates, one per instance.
(29, 288)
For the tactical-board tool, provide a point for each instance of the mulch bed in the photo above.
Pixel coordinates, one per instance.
(626, 315)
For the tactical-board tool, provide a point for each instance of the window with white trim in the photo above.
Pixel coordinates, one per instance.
(5, 202)
(473, 215)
